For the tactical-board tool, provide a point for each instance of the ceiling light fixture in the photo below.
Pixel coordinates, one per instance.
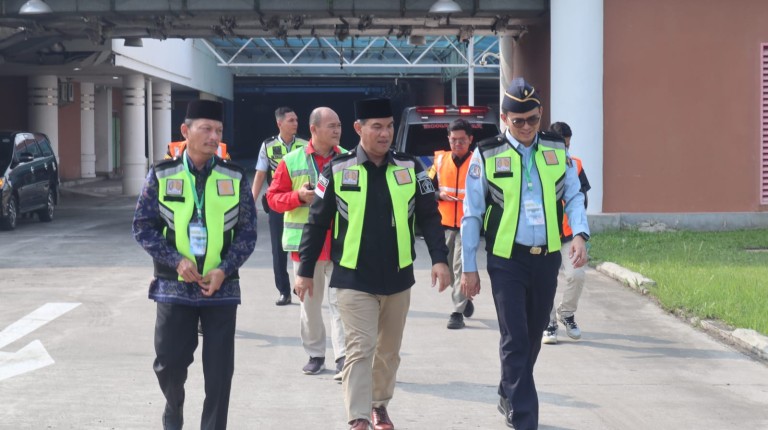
(445, 6)
(34, 7)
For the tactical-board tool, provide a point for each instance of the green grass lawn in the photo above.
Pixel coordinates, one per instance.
(707, 274)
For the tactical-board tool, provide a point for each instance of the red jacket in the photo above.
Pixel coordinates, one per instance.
(281, 196)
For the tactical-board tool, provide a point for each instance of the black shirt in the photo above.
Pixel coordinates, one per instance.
(377, 266)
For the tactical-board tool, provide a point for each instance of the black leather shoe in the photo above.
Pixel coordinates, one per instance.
(503, 407)
(456, 321)
(285, 299)
(469, 310)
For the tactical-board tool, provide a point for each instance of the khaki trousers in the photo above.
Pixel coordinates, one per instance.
(453, 242)
(574, 284)
(373, 326)
(311, 318)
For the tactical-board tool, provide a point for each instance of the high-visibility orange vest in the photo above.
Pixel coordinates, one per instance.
(176, 148)
(451, 179)
(567, 232)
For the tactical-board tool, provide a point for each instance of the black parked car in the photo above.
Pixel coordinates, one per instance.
(30, 177)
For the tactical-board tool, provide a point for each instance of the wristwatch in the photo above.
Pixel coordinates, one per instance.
(584, 236)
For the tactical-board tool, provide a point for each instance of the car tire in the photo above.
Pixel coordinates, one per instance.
(8, 222)
(46, 215)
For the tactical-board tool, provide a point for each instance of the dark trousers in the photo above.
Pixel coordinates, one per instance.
(279, 257)
(175, 344)
(523, 291)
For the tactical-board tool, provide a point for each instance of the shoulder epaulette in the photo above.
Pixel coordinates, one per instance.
(548, 135)
(168, 161)
(492, 141)
(230, 164)
(269, 139)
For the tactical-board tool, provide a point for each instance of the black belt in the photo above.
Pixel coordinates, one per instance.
(535, 250)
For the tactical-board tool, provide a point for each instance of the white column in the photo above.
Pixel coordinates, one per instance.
(104, 132)
(577, 84)
(133, 160)
(507, 46)
(161, 117)
(471, 72)
(44, 107)
(87, 131)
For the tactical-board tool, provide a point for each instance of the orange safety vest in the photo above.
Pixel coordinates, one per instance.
(176, 148)
(451, 179)
(567, 232)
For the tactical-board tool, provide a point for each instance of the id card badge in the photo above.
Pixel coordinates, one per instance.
(198, 238)
(534, 212)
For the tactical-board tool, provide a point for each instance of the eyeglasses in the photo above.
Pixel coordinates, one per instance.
(519, 122)
(460, 141)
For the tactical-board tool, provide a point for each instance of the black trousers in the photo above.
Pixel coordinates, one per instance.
(279, 257)
(175, 344)
(523, 291)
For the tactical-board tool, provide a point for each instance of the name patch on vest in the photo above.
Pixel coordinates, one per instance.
(277, 152)
(322, 183)
(403, 177)
(225, 187)
(550, 157)
(174, 187)
(350, 177)
(504, 164)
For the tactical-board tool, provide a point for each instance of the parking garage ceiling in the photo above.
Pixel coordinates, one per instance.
(267, 37)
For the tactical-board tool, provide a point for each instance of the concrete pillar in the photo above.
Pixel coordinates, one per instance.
(43, 102)
(104, 132)
(577, 84)
(471, 72)
(133, 160)
(87, 131)
(161, 117)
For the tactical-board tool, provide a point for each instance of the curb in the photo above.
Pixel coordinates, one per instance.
(747, 340)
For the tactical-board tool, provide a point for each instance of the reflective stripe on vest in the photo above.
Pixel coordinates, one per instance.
(505, 189)
(351, 201)
(451, 179)
(221, 211)
(567, 232)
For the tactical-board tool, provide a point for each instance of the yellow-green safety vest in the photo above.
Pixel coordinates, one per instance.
(504, 173)
(221, 208)
(276, 150)
(301, 169)
(350, 181)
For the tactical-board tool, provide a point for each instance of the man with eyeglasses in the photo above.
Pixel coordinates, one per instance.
(448, 173)
(518, 185)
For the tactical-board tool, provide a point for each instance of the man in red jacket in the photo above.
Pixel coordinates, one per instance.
(291, 192)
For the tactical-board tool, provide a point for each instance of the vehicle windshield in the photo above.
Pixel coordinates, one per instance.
(6, 151)
(425, 139)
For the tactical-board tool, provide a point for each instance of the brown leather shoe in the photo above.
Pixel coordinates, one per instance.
(380, 419)
(359, 424)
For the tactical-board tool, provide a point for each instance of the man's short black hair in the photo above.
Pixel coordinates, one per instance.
(281, 111)
(561, 128)
(460, 124)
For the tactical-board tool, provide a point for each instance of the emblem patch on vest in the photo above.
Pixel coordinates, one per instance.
(550, 157)
(174, 187)
(403, 177)
(225, 187)
(322, 183)
(503, 164)
(349, 177)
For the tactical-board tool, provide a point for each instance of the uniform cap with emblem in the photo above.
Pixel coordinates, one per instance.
(520, 97)
(373, 108)
(205, 109)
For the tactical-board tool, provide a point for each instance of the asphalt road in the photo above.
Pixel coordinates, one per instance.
(76, 349)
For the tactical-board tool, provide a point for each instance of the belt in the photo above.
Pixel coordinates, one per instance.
(535, 250)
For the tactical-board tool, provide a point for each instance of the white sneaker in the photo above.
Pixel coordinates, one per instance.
(550, 335)
(571, 328)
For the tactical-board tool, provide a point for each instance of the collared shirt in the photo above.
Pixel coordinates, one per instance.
(148, 231)
(530, 235)
(283, 198)
(377, 266)
(262, 164)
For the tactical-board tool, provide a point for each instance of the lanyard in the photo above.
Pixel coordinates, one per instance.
(198, 199)
(527, 170)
